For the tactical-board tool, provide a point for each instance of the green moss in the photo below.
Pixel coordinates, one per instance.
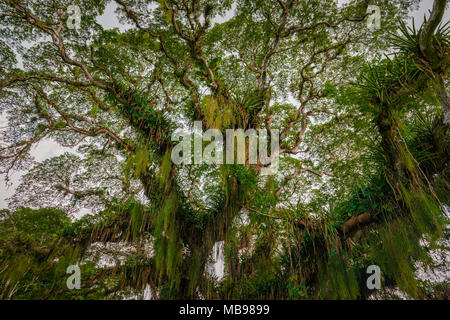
(219, 112)
(165, 169)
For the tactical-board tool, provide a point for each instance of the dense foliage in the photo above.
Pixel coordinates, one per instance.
(363, 117)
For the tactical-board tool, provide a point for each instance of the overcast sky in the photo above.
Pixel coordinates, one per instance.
(48, 148)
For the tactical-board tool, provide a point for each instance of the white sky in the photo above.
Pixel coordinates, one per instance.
(48, 148)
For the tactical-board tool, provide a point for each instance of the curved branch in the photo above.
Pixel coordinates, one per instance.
(430, 26)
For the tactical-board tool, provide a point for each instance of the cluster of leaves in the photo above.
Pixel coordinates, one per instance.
(284, 234)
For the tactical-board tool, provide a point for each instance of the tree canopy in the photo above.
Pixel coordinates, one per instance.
(363, 179)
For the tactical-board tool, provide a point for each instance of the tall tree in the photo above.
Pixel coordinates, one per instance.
(116, 97)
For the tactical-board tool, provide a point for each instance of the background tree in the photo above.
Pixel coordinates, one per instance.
(311, 69)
